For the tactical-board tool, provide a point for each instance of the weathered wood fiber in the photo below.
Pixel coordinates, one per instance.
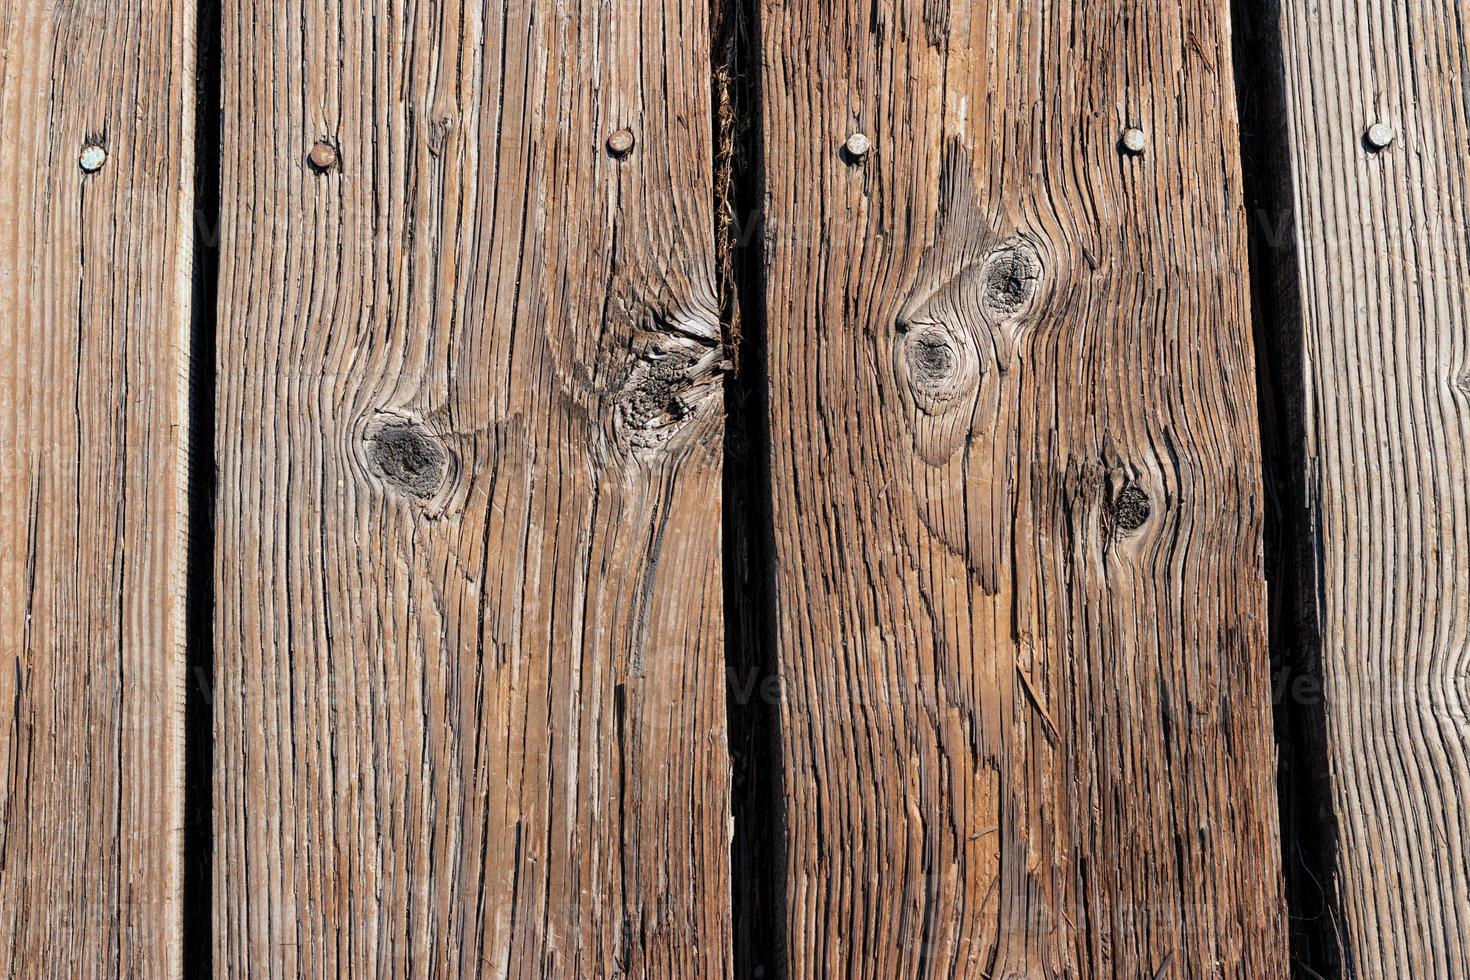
(94, 331)
(1383, 300)
(1017, 495)
(470, 717)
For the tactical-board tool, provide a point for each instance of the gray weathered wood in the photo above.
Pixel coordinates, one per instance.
(1377, 322)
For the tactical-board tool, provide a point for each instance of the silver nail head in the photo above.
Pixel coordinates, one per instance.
(858, 145)
(92, 158)
(1134, 141)
(1380, 135)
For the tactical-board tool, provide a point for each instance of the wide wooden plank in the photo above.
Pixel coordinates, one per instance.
(470, 716)
(1374, 339)
(94, 342)
(1021, 633)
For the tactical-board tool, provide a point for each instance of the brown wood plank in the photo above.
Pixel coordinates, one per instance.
(469, 631)
(1377, 320)
(94, 341)
(1026, 714)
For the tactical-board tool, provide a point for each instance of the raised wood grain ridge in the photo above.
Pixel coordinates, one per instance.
(470, 717)
(94, 341)
(1383, 282)
(1017, 494)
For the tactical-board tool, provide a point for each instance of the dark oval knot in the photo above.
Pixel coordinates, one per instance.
(407, 456)
(932, 358)
(1011, 277)
(1130, 509)
(938, 364)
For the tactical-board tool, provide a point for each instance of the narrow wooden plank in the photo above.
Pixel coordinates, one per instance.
(1018, 515)
(469, 633)
(1377, 321)
(94, 341)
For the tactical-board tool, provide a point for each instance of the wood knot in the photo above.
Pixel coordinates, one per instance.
(932, 359)
(440, 128)
(1129, 509)
(649, 407)
(406, 455)
(1010, 278)
(938, 365)
(671, 383)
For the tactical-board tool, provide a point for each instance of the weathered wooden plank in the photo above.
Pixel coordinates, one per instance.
(94, 341)
(1373, 335)
(1017, 494)
(469, 632)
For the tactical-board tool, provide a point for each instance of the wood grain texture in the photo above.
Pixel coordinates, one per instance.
(470, 715)
(1017, 495)
(94, 340)
(1383, 280)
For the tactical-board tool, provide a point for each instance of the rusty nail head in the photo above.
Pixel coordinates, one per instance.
(323, 155)
(92, 158)
(1134, 140)
(1380, 135)
(620, 142)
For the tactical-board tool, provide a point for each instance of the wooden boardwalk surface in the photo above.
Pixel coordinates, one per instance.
(764, 489)
(94, 347)
(1017, 496)
(470, 715)
(1378, 317)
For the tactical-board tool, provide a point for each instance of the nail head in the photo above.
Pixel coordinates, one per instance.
(620, 143)
(1380, 135)
(92, 158)
(323, 155)
(1135, 141)
(858, 145)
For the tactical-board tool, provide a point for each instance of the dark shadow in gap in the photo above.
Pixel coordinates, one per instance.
(198, 838)
(758, 847)
(1309, 834)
